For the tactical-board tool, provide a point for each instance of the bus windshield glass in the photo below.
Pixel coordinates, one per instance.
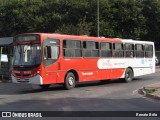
(29, 54)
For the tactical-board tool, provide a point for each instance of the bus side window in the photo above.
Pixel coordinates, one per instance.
(47, 52)
(72, 48)
(139, 49)
(51, 51)
(118, 50)
(90, 49)
(129, 50)
(148, 51)
(106, 49)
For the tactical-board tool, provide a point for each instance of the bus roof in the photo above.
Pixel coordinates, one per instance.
(136, 41)
(80, 37)
(85, 37)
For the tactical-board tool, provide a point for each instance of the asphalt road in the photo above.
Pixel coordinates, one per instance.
(92, 96)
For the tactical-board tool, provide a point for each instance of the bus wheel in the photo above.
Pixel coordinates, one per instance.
(45, 86)
(70, 81)
(128, 75)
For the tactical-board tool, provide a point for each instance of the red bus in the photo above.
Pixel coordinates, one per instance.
(45, 59)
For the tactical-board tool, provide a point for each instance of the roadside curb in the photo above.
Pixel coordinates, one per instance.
(142, 91)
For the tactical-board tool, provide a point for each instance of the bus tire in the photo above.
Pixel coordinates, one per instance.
(45, 86)
(128, 75)
(70, 81)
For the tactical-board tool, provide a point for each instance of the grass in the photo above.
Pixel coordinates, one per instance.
(150, 91)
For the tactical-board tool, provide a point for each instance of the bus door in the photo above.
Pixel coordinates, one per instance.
(51, 52)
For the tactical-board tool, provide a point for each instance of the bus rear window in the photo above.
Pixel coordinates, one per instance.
(27, 38)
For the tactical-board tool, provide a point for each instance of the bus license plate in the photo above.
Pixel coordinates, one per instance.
(22, 80)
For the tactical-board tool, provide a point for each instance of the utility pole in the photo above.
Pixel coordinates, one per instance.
(97, 18)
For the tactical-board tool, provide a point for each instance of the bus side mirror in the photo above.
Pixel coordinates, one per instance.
(47, 52)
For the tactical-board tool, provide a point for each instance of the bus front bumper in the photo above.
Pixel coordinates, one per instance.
(34, 80)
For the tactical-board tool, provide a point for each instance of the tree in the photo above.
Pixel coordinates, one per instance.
(151, 11)
(136, 19)
(125, 18)
(82, 28)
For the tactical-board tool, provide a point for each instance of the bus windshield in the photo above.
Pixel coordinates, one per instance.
(27, 55)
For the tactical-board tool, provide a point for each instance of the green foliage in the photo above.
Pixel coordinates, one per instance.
(136, 19)
(151, 91)
(151, 11)
(82, 28)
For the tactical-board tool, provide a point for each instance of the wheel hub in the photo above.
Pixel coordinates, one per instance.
(127, 75)
(70, 81)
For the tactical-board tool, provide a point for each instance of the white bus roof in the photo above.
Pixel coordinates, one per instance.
(135, 41)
